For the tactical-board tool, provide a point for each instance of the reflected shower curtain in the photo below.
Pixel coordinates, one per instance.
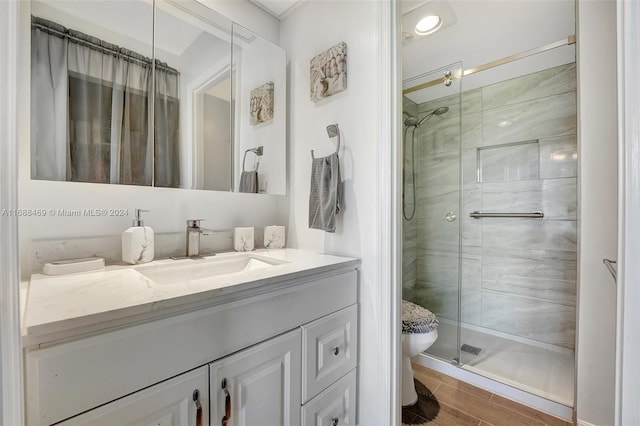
(91, 111)
(49, 96)
(166, 132)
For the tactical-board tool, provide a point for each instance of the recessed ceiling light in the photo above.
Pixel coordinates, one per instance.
(428, 25)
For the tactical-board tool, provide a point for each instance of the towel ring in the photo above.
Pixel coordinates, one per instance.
(257, 151)
(332, 131)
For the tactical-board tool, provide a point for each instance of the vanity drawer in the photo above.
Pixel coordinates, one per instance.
(330, 350)
(336, 406)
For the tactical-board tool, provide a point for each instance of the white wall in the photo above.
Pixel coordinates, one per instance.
(597, 239)
(248, 15)
(169, 207)
(309, 30)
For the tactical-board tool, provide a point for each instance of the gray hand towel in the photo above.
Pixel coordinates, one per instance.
(249, 182)
(325, 196)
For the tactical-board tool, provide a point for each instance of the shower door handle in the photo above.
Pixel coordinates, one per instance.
(451, 216)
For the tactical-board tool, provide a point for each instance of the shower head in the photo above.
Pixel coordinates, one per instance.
(437, 111)
(411, 121)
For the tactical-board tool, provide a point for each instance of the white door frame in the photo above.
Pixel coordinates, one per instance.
(389, 224)
(11, 412)
(628, 286)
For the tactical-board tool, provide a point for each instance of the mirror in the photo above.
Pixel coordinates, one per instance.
(196, 42)
(259, 93)
(103, 113)
(90, 84)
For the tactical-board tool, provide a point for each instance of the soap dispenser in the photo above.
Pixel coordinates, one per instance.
(137, 242)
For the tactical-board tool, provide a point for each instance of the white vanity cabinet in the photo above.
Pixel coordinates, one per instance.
(285, 350)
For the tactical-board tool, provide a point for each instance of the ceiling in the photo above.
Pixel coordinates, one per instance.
(278, 8)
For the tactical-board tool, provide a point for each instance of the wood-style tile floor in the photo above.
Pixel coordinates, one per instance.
(445, 401)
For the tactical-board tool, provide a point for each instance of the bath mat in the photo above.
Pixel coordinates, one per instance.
(423, 411)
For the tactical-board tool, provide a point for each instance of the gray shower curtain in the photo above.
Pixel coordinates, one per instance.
(91, 112)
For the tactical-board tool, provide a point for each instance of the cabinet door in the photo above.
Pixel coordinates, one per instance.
(181, 401)
(259, 386)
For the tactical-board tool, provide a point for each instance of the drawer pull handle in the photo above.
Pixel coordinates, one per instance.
(334, 421)
(336, 351)
(196, 399)
(227, 404)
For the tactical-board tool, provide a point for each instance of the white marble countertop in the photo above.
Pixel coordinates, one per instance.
(117, 294)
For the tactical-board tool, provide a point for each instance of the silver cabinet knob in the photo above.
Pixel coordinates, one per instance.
(451, 216)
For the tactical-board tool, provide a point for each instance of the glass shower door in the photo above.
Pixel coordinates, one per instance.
(431, 201)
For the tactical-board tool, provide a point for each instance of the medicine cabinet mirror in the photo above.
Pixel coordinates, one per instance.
(210, 114)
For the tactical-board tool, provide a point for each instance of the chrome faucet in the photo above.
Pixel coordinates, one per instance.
(193, 236)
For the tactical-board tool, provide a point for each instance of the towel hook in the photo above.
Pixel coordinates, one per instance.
(332, 131)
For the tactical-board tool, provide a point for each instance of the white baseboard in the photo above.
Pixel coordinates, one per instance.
(583, 423)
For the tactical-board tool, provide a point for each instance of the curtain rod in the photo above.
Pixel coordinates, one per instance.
(564, 42)
(115, 51)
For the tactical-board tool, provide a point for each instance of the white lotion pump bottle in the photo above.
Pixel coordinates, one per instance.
(137, 242)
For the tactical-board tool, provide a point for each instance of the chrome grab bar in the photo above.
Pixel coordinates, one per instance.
(532, 215)
(612, 266)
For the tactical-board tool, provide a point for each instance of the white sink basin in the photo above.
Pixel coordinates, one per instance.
(189, 270)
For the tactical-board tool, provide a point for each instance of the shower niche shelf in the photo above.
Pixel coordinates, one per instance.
(509, 162)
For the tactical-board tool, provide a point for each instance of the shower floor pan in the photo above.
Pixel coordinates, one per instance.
(540, 369)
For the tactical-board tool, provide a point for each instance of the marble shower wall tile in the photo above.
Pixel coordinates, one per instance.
(471, 228)
(470, 166)
(560, 79)
(535, 119)
(550, 280)
(518, 235)
(435, 201)
(559, 157)
(440, 299)
(439, 169)
(439, 134)
(438, 268)
(556, 198)
(531, 318)
(409, 106)
(471, 130)
(438, 234)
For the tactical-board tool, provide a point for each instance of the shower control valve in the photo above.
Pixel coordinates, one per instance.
(451, 216)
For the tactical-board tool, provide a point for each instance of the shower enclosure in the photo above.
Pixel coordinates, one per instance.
(489, 228)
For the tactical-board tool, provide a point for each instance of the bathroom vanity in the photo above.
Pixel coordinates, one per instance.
(268, 337)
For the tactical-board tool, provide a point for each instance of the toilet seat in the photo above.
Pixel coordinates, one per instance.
(416, 319)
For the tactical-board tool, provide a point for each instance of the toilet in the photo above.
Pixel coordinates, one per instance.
(419, 331)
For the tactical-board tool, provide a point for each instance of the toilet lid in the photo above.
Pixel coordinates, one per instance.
(416, 319)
